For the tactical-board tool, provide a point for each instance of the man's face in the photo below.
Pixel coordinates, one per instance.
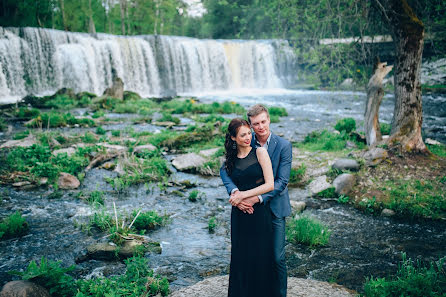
(260, 124)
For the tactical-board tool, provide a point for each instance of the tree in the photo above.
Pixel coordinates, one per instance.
(408, 36)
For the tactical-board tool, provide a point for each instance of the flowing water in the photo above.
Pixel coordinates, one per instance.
(360, 244)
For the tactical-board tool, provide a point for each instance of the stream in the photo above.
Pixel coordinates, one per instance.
(360, 245)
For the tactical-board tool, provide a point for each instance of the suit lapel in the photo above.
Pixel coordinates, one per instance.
(272, 144)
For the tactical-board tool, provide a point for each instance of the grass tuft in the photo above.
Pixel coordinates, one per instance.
(13, 226)
(307, 231)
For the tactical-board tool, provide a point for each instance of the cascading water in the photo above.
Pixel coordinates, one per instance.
(41, 61)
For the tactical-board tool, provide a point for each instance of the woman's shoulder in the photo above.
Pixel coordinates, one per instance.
(261, 151)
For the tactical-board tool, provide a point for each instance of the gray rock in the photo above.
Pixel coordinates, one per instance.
(25, 142)
(350, 144)
(70, 151)
(317, 171)
(116, 90)
(67, 181)
(347, 83)
(209, 152)
(344, 183)
(431, 141)
(387, 212)
(346, 164)
(375, 156)
(23, 288)
(113, 148)
(110, 251)
(140, 148)
(298, 206)
(297, 287)
(189, 161)
(318, 185)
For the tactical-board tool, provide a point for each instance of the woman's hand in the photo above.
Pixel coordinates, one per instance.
(236, 198)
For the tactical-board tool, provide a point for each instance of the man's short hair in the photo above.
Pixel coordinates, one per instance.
(255, 110)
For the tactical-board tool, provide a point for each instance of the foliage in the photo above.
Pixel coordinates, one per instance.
(148, 220)
(167, 117)
(25, 113)
(3, 125)
(13, 226)
(297, 174)
(343, 199)
(323, 140)
(54, 119)
(21, 135)
(370, 205)
(61, 102)
(410, 280)
(212, 224)
(101, 221)
(98, 113)
(192, 106)
(100, 131)
(346, 125)
(306, 230)
(142, 106)
(328, 193)
(116, 133)
(50, 275)
(417, 198)
(138, 280)
(96, 198)
(277, 111)
(385, 128)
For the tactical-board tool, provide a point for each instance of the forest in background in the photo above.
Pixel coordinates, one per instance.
(302, 22)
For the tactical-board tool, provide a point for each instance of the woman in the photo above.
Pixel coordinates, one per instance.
(251, 270)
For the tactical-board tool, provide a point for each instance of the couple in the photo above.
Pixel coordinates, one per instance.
(256, 174)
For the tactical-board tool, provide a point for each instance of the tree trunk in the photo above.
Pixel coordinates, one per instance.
(157, 13)
(122, 5)
(408, 35)
(64, 20)
(91, 26)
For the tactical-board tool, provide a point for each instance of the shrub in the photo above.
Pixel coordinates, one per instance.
(148, 220)
(26, 113)
(101, 221)
(116, 133)
(95, 198)
(21, 135)
(347, 125)
(193, 195)
(46, 169)
(61, 102)
(307, 231)
(328, 193)
(323, 140)
(167, 117)
(54, 119)
(51, 275)
(13, 226)
(410, 280)
(98, 113)
(277, 111)
(385, 128)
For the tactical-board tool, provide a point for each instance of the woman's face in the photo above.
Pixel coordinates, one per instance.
(243, 137)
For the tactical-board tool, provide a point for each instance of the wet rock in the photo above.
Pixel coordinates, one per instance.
(113, 148)
(344, 183)
(347, 83)
(189, 161)
(434, 73)
(375, 156)
(108, 165)
(298, 206)
(297, 287)
(25, 142)
(431, 141)
(21, 184)
(387, 212)
(70, 151)
(317, 171)
(110, 251)
(23, 288)
(116, 90)
(350, 144)
(209, 152)
(67, 181)
(346, 164)
(140, 148)
(318, 185)
(164, 124)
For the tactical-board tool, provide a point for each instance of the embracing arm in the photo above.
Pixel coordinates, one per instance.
(227, 181)
(283, 173)
(265, 163)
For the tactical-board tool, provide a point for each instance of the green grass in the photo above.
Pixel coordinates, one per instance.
(439, 150)
(62, 102)
(13, 226)
(96, 198)
(385, 128)
(417, 198)
(277, 111)
(323, 141)
(3, 125)
(138, 280)
(307, 231)
(21, 135)
(25, 113)
(100, 131)
(148, 220)
(142, 106)
(194, 195)
(410, 280)
(55, 119)
(328, 193)
(297, 174)
(192, 106)
(212, 224)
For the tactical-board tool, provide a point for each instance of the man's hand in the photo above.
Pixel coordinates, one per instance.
(251, 200)
(236, 198)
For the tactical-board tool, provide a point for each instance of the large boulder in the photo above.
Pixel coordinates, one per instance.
(110, 251)
(25, 142)
(186, 162)
(375, 156)
(297, 287)
(344, 183)
(23, 288)
(67, 181)
(209, 152)
(149, 147)
(318, 185)
(346, 164)
(298, 206)
(116, 90)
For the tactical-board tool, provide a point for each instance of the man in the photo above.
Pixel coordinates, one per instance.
(280, 152)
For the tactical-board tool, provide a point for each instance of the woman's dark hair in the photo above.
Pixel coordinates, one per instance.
(230, 145)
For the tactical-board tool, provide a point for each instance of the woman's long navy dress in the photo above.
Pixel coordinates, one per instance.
(251, 270)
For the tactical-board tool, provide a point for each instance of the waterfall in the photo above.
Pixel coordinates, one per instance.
(41, 61)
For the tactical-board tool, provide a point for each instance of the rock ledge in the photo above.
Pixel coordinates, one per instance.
(297, 287)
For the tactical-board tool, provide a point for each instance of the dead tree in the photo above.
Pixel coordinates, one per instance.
(375, 93)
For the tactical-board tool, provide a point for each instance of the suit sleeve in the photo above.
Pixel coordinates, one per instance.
(283, 173)
(227, 181)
